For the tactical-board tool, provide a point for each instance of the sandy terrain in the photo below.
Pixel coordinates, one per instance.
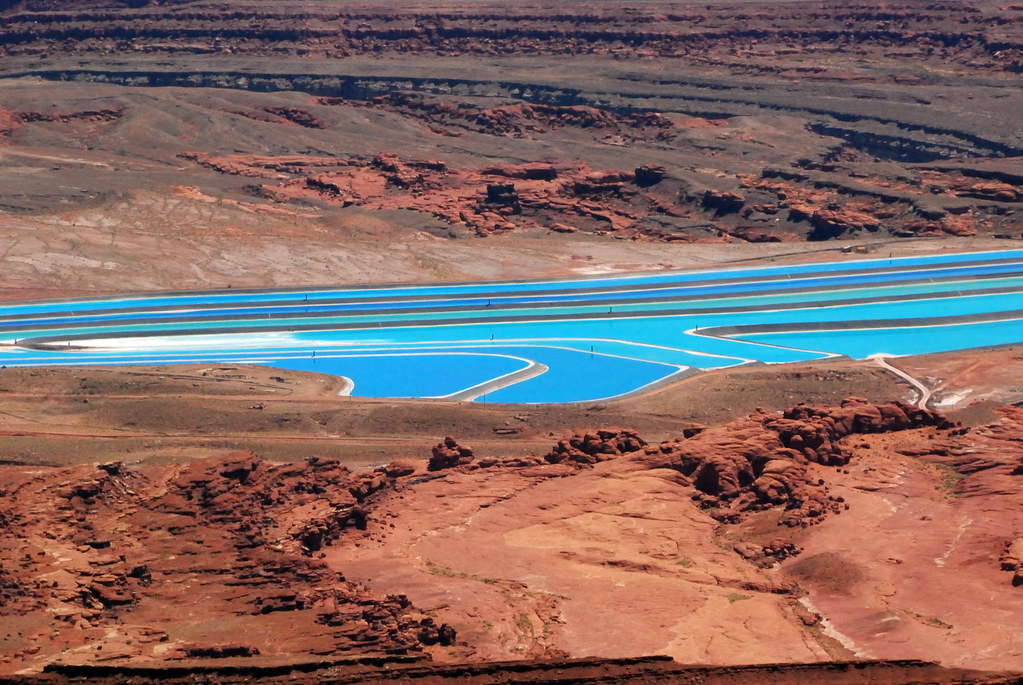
(181, 412)
(962, 379)
(614, 552)
(226, 523)
(348, 156)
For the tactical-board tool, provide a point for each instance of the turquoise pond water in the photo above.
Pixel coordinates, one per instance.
(556, 341)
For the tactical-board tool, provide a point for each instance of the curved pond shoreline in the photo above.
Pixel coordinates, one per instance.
(592, 339)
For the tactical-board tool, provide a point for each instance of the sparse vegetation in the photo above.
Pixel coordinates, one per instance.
(948, 479)
(932, 621)
(524, 626)
(451, 573)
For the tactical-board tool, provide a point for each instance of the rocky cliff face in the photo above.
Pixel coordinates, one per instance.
(760, 125)
(459, 558)
(212, 559)
(762, 462)
(960, 33)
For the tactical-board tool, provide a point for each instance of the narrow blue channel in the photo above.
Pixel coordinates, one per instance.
(860, 344)
(596, 343)
(834, 269)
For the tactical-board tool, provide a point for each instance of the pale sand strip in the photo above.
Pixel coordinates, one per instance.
(469, 394)
(923, 390)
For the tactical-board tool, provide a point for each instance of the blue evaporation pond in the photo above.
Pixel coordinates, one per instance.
(298, 295)
(572, 375)
(589, 358)
(664, 336)
(407, 375)
(575, 376)
(860, 344)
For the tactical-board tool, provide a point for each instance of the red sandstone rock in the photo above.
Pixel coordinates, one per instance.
(65, 117)
(536, 172)
(400, 468)
(298, 116)
(723, 202)
(502, 194)
(1012, 557)
(449, 454)
(239, 470)
(591, 448)
(235, 536)
(649, 174)
(760, 462)
(830, 223)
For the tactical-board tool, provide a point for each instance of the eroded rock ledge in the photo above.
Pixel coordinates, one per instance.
(224, 558)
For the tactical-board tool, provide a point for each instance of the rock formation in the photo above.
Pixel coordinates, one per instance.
(592, 448)
(237, 535)
(449, 454)
(761, 462)
(1012, 560)
(104, 552)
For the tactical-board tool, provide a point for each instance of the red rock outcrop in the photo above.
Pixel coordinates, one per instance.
(592, 448)
(106, 552)
(297, 115)
(449, 454)
(567, 196)
(767, 555)
(1012, 560)
(986, 458)
(518, 120)
(99, 555)
(723, 202)
(761, 462)
(650, 174)
(96, 115)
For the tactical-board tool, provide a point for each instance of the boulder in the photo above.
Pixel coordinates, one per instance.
(432, 634)
(239, 466)
(649, 174)
(399, 468)
(1012, 557)
(502, 194)
(449, 454)
(723, 202)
